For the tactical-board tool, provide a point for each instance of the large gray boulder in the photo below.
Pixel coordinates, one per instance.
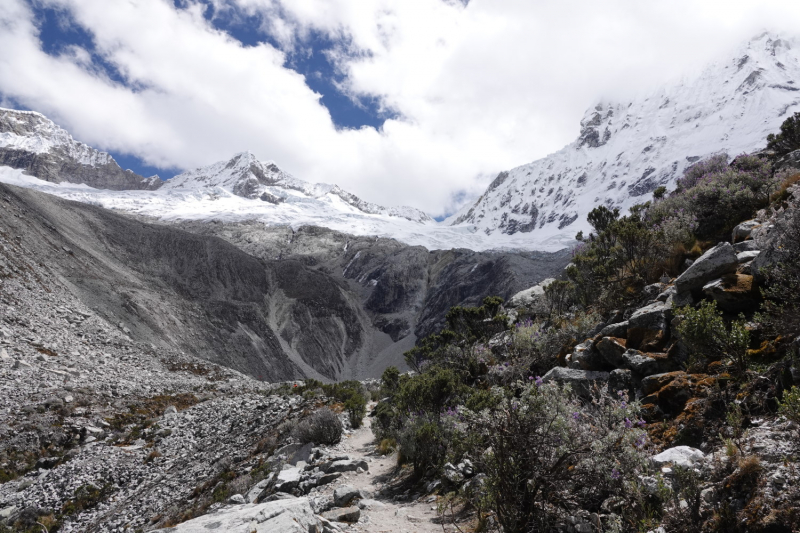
(715, 263)
(743, 230)
(648, 327)
(281, 516)
(582, 381)
(612, 348)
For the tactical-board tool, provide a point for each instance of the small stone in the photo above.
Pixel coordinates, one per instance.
(236, 499)
(347, 514)
(345, 494)
(68, 398)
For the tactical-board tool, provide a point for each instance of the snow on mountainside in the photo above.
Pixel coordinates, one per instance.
(32, 142)
(626, 150)
(246, 176)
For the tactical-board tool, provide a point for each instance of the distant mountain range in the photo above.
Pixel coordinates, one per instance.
(623, 153)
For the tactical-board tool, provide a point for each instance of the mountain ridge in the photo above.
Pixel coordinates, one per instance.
(624, 151)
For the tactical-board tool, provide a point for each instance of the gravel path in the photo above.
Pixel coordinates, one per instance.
(411, 513)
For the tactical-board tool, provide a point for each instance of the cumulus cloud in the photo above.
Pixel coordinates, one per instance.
(475, 88)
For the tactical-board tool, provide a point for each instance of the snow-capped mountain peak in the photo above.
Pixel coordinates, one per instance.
(244, 175)
(625, 150)
(32, 142)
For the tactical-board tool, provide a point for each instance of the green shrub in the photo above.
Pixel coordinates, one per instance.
(788, 140)
(356, 407)
(390, 380)
(704, 331)
(790, 406)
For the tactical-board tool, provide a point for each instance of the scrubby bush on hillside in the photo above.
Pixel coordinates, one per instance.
(718, 195)
(323, 427)
(543, 451)
(624, 253)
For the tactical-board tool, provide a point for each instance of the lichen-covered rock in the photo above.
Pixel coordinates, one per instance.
(532, 299)
(734, 292)
(611, 349)
(716, 262)
(346, 514)
(656, 382)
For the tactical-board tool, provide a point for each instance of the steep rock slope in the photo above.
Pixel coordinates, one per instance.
(404, 290)
(273, 305)
(31, 142)
(626, 150)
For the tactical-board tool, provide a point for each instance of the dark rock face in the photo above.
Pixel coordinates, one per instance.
(57, 167)
(66, 160)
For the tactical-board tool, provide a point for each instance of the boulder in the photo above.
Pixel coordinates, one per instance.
(745, 257)
(716, 262)
(648, 327)
(585, 357)
(282, 516)
(257, 491)
(236, 499)
(452, 474)
(684, 456)
(346, 514)
(532, 299)
(645, 364)
(621, 379)
(743, 230)
(288, 480)
(734, 292)
(345, 494)
(656, 382)
(345, 465)
(582, 381)
(745, 246)
(618, 329)
(611, 349)
(324, 479)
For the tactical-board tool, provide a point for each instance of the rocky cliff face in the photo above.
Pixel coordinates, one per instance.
(33, 143)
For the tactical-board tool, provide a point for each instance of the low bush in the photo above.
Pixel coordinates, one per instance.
(704, 331)
(322, 427)
(542, 451)
(790, 406)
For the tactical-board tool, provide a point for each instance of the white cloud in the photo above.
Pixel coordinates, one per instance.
(478, 88)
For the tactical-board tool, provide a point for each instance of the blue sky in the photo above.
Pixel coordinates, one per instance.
(401, 102)
(58, 31)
